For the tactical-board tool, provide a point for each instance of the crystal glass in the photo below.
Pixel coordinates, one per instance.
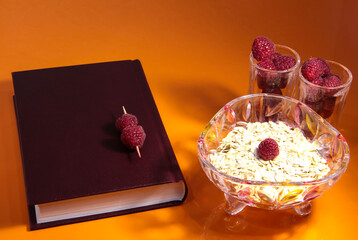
(328, 101)
(240, 193)
(271, 81)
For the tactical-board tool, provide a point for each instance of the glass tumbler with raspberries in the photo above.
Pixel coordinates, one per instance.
(323, 85)
(273, 68)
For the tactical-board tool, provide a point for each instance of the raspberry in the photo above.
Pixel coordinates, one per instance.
(267, 64)
(283, 81)
(326, 113)
(314, 94)
(275, 56)
(318, 81)
(312, 69)
(133, 136)
(328, 106)
(329, 103)
(268, 149)
(262, 48)
(315, 106)
(284, 62)
(267, 79)
(332, 80)
(126, 120)
(325, 66)
(275, 90)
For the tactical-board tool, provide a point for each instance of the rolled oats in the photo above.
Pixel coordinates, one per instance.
(297, 161)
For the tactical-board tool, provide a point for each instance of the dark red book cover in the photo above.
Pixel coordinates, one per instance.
(69, 144)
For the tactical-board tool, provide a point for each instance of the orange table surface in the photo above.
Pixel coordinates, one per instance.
(196, 58)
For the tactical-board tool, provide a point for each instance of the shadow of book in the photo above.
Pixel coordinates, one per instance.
(12, 189)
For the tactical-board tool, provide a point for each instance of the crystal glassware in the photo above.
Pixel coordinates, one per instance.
(272, 81)
(327, 101)
(240, 193)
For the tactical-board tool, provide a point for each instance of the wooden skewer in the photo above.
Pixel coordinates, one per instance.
(136, 147)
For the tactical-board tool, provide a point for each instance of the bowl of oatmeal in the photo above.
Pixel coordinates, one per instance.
(310, 154)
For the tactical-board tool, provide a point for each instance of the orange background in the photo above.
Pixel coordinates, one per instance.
(196, 58)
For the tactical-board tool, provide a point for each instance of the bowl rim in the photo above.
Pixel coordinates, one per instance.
(337, 173)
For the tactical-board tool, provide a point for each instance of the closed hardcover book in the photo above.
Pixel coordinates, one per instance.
(75, 166)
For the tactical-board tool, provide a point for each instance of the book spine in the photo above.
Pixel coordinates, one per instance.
(176, 172)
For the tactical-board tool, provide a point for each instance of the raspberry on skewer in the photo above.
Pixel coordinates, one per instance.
(126, 120)
(133, 135)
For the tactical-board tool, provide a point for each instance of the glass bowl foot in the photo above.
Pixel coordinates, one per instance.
(303, 209)
(233, 205)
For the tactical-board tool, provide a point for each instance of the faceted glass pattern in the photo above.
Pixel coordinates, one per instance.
(240, 193)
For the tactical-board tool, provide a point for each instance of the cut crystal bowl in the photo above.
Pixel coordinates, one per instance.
(240, 193)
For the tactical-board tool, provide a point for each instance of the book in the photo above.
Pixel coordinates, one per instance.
(75, 166)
